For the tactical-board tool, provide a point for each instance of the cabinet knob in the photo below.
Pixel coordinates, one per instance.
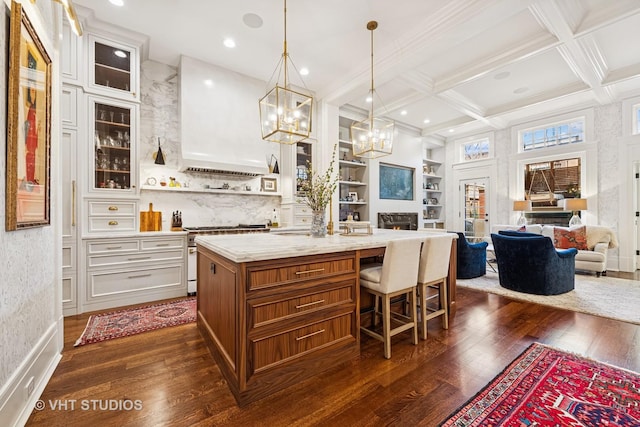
(113, 208)
(113, 222)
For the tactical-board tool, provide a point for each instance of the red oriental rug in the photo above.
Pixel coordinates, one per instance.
(123, 323)
(549, 387)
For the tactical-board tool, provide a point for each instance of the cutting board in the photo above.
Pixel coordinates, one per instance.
(150, 221)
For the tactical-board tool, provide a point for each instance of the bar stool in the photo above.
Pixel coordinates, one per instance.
(396, 276)
(433, 272)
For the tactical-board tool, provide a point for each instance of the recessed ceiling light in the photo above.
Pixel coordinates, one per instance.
(229, 42)
(304, 71)
(451, 130)
(252, 20)
(117, 2)
(502, 75)
(369, 98)
(208, 83)
(403, 112)
(119, 53)
(521, 90)
(427, 121)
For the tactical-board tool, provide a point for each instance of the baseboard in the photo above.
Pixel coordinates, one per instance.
(38, 366)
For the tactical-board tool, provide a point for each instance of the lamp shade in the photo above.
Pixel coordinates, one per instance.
(522, 205)
(372, 137)
(285, 115)
(575, 204)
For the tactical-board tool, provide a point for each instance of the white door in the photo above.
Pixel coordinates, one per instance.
(475, 207)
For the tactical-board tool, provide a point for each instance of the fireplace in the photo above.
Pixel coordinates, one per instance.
(398, 220)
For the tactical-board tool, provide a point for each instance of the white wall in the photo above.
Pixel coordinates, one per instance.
(30, 290)
(408, 152)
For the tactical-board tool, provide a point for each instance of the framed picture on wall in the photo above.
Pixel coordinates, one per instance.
(28, 181)
(270, 185)
(396, 182)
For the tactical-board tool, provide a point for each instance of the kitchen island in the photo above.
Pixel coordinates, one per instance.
(275, 308)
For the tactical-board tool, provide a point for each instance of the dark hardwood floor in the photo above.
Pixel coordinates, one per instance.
(172, 374)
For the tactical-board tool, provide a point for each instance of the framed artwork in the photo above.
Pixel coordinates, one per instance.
(28, 127)
(269, 184)
(396, 182)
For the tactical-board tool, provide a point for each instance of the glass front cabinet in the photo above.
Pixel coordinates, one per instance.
(112, 68)
(113, 130)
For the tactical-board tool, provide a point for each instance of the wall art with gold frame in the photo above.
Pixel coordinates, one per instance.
(28, 171)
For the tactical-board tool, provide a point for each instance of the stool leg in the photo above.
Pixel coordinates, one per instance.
(423, 309)
(386, 325)
(443, 301)
(414, 316)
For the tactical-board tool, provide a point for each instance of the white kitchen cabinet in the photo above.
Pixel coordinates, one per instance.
(113, 68)
(112, 147)
(111, 216)
(132, 270)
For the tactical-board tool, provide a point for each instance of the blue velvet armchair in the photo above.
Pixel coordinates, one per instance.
(530, 264)
(472, 258)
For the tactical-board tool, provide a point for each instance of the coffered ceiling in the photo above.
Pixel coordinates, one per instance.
(443, 67)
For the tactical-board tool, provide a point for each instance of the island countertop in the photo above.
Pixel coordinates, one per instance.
(263, 246)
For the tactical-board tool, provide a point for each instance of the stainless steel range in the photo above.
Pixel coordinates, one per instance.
(192, 232)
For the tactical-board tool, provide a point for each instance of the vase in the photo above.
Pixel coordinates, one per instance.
(318, 226)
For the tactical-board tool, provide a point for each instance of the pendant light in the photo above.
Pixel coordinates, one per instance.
(372, 137)
(159, 157)
(285, 114)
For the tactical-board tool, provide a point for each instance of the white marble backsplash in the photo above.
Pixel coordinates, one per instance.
(159, 118)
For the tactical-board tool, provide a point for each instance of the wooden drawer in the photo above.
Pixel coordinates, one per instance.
(109, 283)
(101, 224)
(163, 243)
(276, 349)
(105, 208)
(133, 258)
(287, 272)
(264, 311)
(112, 246)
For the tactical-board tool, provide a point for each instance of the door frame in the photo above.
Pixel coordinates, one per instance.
(479, 169)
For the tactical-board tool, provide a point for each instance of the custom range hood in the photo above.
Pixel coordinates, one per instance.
(219, 120)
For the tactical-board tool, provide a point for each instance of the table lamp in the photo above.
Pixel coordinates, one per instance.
(575, 205)
(522, 206)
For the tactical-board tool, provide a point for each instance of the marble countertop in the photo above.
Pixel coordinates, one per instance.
(262, 246)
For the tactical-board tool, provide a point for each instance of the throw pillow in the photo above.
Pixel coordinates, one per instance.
(565, 238)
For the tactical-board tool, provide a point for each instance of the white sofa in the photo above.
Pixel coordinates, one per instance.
(599, 240)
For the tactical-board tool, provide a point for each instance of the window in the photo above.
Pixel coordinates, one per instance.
(476, 147)
(547, 182)
(569, 132)
(475, 150)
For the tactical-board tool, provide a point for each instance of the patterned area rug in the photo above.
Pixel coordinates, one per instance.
(117, 324)
(549, 387)
(603, 296)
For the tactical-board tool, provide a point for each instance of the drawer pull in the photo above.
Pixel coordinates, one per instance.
(308, 304)
(113, 208)
(310, 271)
(161, 244)
(139, 276)
(138, 258)
(113, 222)
(111, 248)
(310, 335)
